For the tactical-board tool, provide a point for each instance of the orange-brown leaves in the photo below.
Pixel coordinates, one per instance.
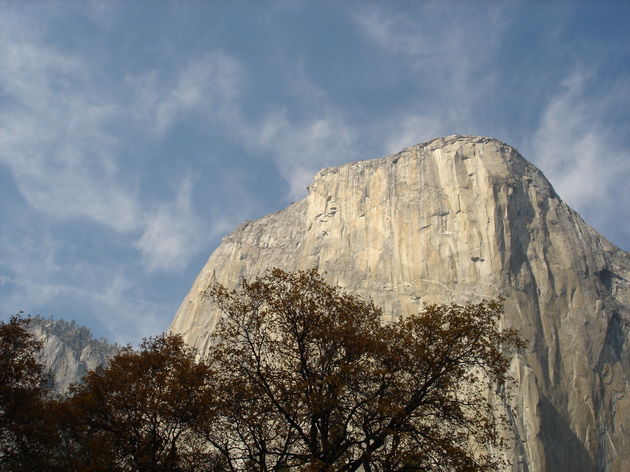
(301, 376)
(139, 412)
(22, 428)
(317, 381)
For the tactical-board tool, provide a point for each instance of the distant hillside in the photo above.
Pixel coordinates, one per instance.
(69, 350)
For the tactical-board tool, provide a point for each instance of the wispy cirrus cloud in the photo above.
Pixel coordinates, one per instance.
(60, 127)
(580, 152)
(408, 128)
(206, 86)
(314, 135)
(36, 276)
(447, 53)
(67, 132)
(66, 158)
(300, 149)
(52, 138)
(447, 60)
(173, 231)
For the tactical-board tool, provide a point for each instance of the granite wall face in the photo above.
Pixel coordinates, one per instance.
(68, 350)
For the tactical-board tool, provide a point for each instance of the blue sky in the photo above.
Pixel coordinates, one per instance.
(134, 135)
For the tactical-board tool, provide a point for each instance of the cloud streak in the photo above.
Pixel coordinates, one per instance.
(447, 52)
(301, 149)
(581, 156)
(206, 86)
(52, 138)
(59, 138)
(65, 128)
(37, 276)
(173, 232)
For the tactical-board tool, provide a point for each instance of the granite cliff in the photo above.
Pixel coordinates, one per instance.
(68, 350)
(460, 219)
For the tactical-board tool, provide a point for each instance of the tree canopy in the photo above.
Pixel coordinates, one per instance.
(313, 378)
(300, 376)
(137, 413)
(23, 430)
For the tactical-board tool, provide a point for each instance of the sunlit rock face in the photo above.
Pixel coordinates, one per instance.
(69, 351)
(460, 219)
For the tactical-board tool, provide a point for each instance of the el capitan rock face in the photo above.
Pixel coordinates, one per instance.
(460, 219)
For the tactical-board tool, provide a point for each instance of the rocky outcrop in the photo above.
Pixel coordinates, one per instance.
(69, 350)
(460, 219)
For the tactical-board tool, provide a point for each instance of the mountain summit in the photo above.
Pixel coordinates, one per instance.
(459, 219)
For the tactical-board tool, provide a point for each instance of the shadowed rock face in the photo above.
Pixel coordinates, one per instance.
(459, 219)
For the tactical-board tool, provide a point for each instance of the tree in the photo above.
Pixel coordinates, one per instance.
(136, 414)
(301, 376)
(308, 377)
(24, 431)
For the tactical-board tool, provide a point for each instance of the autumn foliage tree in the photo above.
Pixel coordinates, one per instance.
(134, 414)
(138, 412)
(301, 376)
(24, 432)
(311, 378)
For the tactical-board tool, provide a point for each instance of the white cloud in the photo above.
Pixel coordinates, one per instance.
(58, 137)
(52, 134)
(207, 84)
(448, 54)
(408, 129)
(580, 154)
(299, 146)
(36, 277)
(173, 232)
(301, 149)
(123, 315)
(449, 46)
(64, 129)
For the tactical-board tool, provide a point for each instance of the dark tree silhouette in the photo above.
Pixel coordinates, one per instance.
(311, 378)
(301, 376)
(137, 413)
(25, 433)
